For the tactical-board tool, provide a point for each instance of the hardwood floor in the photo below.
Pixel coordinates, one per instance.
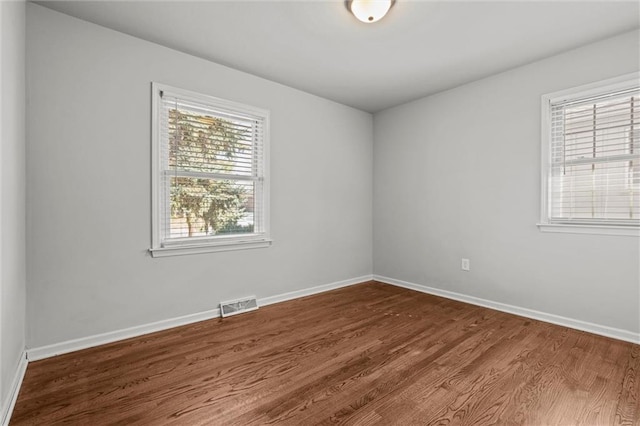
(366, 354)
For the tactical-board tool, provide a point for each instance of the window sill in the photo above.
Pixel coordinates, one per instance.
(630, 231)
(208, 248)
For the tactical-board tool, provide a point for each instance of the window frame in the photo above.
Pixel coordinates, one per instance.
(183, 246)
(583, 91)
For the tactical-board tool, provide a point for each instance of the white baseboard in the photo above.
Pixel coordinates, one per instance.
(42, 352)
(10, 402)
(35, 354)
(313, 290)
(602, 330)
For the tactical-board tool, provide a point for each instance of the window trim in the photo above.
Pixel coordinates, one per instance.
(203, 244)
(583, 91)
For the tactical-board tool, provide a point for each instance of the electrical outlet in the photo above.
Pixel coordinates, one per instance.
(465, 264)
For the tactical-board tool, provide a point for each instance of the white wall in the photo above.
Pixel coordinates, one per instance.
(12, 194)
(457, 175)
(88, 186)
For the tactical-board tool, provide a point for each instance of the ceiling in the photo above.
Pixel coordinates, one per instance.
(420, 48)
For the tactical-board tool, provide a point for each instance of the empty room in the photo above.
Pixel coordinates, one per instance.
(362, 212)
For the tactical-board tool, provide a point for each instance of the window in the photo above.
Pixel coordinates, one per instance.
(591, 158)
(210, 186)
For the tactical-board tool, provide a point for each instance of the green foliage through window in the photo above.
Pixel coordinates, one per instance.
(202, 150)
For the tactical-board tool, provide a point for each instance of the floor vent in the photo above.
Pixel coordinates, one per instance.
(238, 306)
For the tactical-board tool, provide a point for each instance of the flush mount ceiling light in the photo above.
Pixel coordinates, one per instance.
(369, 10)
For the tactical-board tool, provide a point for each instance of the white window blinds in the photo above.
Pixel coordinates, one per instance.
(211, 185)
(594, 170)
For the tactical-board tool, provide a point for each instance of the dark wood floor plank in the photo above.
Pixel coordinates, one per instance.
(628, 401)
(362, 355)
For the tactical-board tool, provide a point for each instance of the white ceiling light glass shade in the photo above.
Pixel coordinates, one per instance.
(369, 10)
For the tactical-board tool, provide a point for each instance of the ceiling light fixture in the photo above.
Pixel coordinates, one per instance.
(369, 10)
